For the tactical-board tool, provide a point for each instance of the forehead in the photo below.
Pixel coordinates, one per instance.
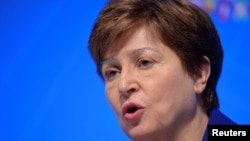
(135, 37)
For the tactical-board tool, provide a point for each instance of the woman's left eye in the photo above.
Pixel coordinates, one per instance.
(144, 63)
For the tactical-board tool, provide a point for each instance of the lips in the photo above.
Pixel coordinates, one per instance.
(132, 111)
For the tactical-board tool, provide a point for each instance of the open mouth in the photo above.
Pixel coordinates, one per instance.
(132, 109)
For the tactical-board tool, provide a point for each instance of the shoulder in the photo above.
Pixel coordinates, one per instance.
(217, 117)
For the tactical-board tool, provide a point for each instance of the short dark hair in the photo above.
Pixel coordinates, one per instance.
(180, 24)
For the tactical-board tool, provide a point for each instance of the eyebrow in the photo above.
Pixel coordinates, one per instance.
(107, 60)
(131, 54)
(139, 51)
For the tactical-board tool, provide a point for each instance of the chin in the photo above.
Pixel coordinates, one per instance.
(139, 133)
(141, 137)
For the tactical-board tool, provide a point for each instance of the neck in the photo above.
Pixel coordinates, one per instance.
(195, 128)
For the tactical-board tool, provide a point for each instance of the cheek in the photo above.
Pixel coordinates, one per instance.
(171, 97)
(113, 97)
(171, 87)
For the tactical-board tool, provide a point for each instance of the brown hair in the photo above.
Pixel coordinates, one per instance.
(181, 25)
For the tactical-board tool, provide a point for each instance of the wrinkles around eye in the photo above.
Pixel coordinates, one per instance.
(110, 74)
(145, 63)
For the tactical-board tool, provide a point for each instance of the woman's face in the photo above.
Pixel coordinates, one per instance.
(147, 87)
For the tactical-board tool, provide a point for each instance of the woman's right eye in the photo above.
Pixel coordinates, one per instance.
(109, 75)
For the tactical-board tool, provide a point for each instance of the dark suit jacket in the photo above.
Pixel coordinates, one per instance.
(217, 117)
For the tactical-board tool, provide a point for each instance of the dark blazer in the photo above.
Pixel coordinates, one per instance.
(217, 117)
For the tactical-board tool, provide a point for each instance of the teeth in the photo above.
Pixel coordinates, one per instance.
(132, 109)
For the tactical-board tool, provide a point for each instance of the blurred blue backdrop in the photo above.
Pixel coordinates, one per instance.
(49, 89)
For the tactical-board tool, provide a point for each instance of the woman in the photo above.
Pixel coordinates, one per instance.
(160, 60)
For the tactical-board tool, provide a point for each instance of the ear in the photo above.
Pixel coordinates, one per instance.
(202, 77)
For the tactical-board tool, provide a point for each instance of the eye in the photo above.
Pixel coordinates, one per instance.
(111, 74)
(145, 63)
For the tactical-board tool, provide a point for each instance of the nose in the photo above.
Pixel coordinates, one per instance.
(128, 83)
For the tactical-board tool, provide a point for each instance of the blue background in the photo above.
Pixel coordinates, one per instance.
(49, 89)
